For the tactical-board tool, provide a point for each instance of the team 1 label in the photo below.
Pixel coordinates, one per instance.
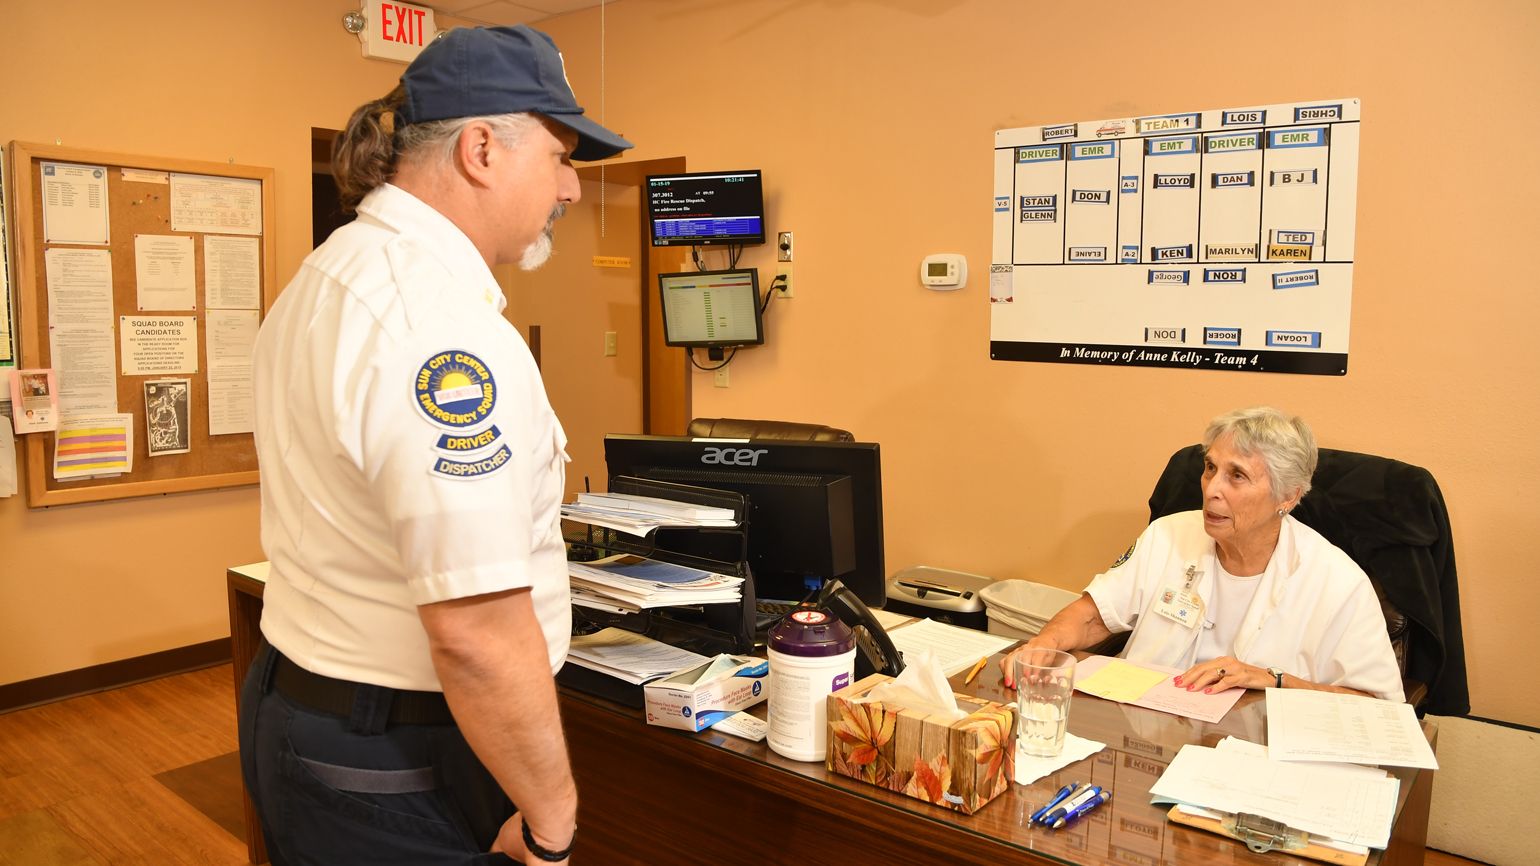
(1168, 121)
(1221, 336)
(1300, 339)
(1091, 196)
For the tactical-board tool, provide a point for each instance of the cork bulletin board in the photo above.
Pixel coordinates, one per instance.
(139, 193)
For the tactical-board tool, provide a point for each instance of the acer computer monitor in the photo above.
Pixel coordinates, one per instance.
(705, 208)
(815, 508)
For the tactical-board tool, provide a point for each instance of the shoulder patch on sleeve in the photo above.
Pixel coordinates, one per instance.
(1126, 554)
(467, 469)
(454, 389)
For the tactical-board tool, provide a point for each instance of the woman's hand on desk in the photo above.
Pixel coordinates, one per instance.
(1226, 672)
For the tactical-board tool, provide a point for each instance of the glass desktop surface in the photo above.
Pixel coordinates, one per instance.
(1127, 829)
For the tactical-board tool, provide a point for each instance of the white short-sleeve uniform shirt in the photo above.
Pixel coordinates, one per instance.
(408, 453)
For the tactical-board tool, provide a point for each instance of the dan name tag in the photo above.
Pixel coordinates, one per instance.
(1180, 606)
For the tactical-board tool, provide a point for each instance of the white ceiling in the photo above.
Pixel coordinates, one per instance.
(505, 12)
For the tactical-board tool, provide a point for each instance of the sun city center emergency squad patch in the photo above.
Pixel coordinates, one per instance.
(454, 389)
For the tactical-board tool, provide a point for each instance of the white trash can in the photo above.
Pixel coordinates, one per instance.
(1020, 608)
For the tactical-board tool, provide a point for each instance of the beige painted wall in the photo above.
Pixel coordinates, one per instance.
(87, 584)
(873, 121)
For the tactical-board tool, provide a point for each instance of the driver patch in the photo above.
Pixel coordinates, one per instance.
(1126, 554)
(454, 389)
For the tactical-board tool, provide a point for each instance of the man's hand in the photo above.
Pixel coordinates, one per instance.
(510, 841)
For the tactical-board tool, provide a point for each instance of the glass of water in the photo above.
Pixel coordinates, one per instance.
(1044, 680)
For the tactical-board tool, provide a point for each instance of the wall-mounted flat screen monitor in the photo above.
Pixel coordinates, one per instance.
(716, 207)
(711, 309)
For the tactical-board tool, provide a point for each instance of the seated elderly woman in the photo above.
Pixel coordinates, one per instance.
(1240, 593)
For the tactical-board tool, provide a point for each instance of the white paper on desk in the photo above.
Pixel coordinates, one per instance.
(956, 649)
(1030, 768)
(1323, 800)
(1325, 726)
(1166, 696)
(629, 656)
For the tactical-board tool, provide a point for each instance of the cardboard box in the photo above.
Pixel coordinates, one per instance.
(698, 698)
(961, 765)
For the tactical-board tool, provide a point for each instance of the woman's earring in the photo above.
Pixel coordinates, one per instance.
(1280, 512)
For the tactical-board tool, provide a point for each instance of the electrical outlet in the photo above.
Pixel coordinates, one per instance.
(783, 269)
(609, 343)
(783, 247)
(721, 378)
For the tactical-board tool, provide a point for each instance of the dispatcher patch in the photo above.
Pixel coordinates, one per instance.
(1126, 554)
(454, 389)
(468, 469)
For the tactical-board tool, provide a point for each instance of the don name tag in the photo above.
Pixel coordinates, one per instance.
(1180, 606)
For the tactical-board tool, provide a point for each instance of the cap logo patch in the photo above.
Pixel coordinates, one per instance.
(454, 389)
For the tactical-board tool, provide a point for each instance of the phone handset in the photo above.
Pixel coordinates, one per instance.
(875, 652)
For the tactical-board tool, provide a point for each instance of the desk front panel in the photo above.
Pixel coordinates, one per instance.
(649, 794)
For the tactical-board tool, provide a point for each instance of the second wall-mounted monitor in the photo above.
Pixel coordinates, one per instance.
(703, 208)
(711, 309)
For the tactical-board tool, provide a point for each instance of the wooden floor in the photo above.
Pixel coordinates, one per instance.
(145, 774)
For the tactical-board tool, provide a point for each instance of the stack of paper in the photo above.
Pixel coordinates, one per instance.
(1338, 802)
(626, 584)
(956, 649)
(640, 515)
(1149, 685)
(1325, 726)
(631, 657)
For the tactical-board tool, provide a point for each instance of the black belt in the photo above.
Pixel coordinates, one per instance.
(338, 697)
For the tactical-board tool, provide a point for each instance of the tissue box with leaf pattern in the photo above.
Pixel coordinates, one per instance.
(961, 765)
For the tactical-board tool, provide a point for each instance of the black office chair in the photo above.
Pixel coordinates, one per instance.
(1391, 519)
(740, 428)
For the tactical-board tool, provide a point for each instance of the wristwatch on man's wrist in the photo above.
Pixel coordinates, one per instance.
(1277, 675)
(544, 853)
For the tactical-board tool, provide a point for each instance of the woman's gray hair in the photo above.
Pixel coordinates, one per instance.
(1284, 442)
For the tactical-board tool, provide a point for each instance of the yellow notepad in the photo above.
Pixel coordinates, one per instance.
(1120, 681)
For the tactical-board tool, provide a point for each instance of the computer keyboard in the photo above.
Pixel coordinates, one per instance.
(767, 612)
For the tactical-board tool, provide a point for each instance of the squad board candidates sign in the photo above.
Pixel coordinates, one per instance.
(1218, 239)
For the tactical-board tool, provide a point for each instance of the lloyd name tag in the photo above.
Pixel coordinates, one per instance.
(1180, 606)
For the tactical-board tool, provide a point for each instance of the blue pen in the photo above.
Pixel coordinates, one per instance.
(1070, 805)
(1083, 808)
(1058, 798)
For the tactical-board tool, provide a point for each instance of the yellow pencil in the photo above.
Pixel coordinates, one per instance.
(976, 668)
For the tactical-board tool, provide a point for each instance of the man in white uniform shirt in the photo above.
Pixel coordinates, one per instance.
(412, 471)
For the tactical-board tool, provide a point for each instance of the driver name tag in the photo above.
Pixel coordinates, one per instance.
(1180, 606)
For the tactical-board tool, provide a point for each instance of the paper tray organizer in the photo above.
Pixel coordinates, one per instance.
(961, 765)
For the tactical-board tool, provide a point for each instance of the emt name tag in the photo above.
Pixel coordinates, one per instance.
(1180, 606)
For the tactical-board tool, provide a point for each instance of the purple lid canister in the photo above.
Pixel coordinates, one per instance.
(811, 632)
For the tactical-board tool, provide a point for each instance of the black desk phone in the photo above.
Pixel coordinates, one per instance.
(875, 652)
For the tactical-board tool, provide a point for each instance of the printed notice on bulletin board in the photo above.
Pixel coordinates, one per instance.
(1219, 239)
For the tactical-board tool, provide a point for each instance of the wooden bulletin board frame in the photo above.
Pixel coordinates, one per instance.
(133, 208)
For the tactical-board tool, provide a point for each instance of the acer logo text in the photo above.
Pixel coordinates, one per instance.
(733, 456)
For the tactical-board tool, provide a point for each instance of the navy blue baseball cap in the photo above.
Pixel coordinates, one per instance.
(480, 71)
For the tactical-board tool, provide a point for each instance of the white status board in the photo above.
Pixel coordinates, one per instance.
(1219, 239)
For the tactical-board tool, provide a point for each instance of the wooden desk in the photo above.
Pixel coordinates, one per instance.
(649, 794)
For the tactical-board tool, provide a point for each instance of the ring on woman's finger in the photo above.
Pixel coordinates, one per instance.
(1221, 671)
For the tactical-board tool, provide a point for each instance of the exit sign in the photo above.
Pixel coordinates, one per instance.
(396, 31)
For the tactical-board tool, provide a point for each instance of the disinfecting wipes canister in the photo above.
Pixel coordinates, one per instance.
(812, 654)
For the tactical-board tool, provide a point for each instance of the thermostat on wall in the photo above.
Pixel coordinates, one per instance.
(944, 271)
